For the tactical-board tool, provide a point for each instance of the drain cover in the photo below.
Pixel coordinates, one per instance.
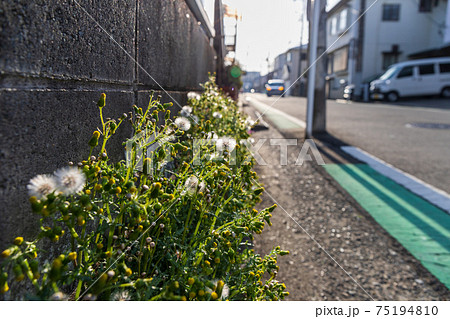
(432, 126)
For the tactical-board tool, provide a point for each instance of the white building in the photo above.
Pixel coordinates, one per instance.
(389, 32)
(286, 67)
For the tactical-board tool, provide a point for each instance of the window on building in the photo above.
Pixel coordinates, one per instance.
(405, 72)
(425, 5)
(343, 20)
(289, 57)
(444, 67)
(391, 12)
(426, 69)
(389, 58)
(330, 64)
(339, 22)
(339, 62)
(333, 26)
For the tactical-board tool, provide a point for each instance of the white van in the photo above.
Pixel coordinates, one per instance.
(416, 77)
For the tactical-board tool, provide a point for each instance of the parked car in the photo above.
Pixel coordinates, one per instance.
(356, 93)
(275, 87)
(413, 78)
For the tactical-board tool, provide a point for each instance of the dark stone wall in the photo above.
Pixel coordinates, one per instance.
(56, 57)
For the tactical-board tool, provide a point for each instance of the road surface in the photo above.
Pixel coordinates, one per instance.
(390, 132)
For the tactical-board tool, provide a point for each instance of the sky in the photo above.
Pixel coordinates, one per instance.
(268, 28)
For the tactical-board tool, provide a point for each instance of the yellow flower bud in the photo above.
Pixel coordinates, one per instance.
(128, 272)
(18, 241)
(102, 101)
(4, 288)
(220, 284)
(72, 256)
(214, 295)
(191, 281)
(6, 253)
(201, 293)
(57, 263)
(192, 295)
(81, 221)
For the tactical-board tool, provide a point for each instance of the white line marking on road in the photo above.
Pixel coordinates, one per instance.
(432, 194)
(342, 101)
(395, 107)
(267, 107)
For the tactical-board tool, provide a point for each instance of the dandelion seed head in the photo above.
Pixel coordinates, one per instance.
(41, 185)
(186, 111)
(183, 123)
(190, 186)
(123, 295)
(226, 143)
(194, 118)
(201, 187)
(193, 95)
(225, 291)
(249, 123)
(70, 180)
(217, 115)
(212, 136)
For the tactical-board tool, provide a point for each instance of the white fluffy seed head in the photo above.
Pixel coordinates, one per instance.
(217, 115)
(194, 118)
(42, 185)
(190, 186)
(70, 180)
(183, 123)
(226, 144)
(186, 111)
(201, 187)
(193, 95)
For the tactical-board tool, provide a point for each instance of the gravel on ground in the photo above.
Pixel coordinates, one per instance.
(337, 251)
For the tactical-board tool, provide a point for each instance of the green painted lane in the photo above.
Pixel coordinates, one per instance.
(278, 118)
(422, 228)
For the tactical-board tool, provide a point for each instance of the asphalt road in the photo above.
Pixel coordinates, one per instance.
(387, 131)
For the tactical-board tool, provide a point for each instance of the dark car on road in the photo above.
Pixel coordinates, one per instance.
(275, 87)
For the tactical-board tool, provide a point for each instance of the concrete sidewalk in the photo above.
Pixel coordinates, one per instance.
(338, 251)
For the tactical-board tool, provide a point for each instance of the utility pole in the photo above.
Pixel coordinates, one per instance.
(235, 36)
(316, 105)
(300, 50)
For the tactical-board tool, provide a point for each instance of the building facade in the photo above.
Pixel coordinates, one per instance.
(250, 81)
(286, 67)
(365, 37)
